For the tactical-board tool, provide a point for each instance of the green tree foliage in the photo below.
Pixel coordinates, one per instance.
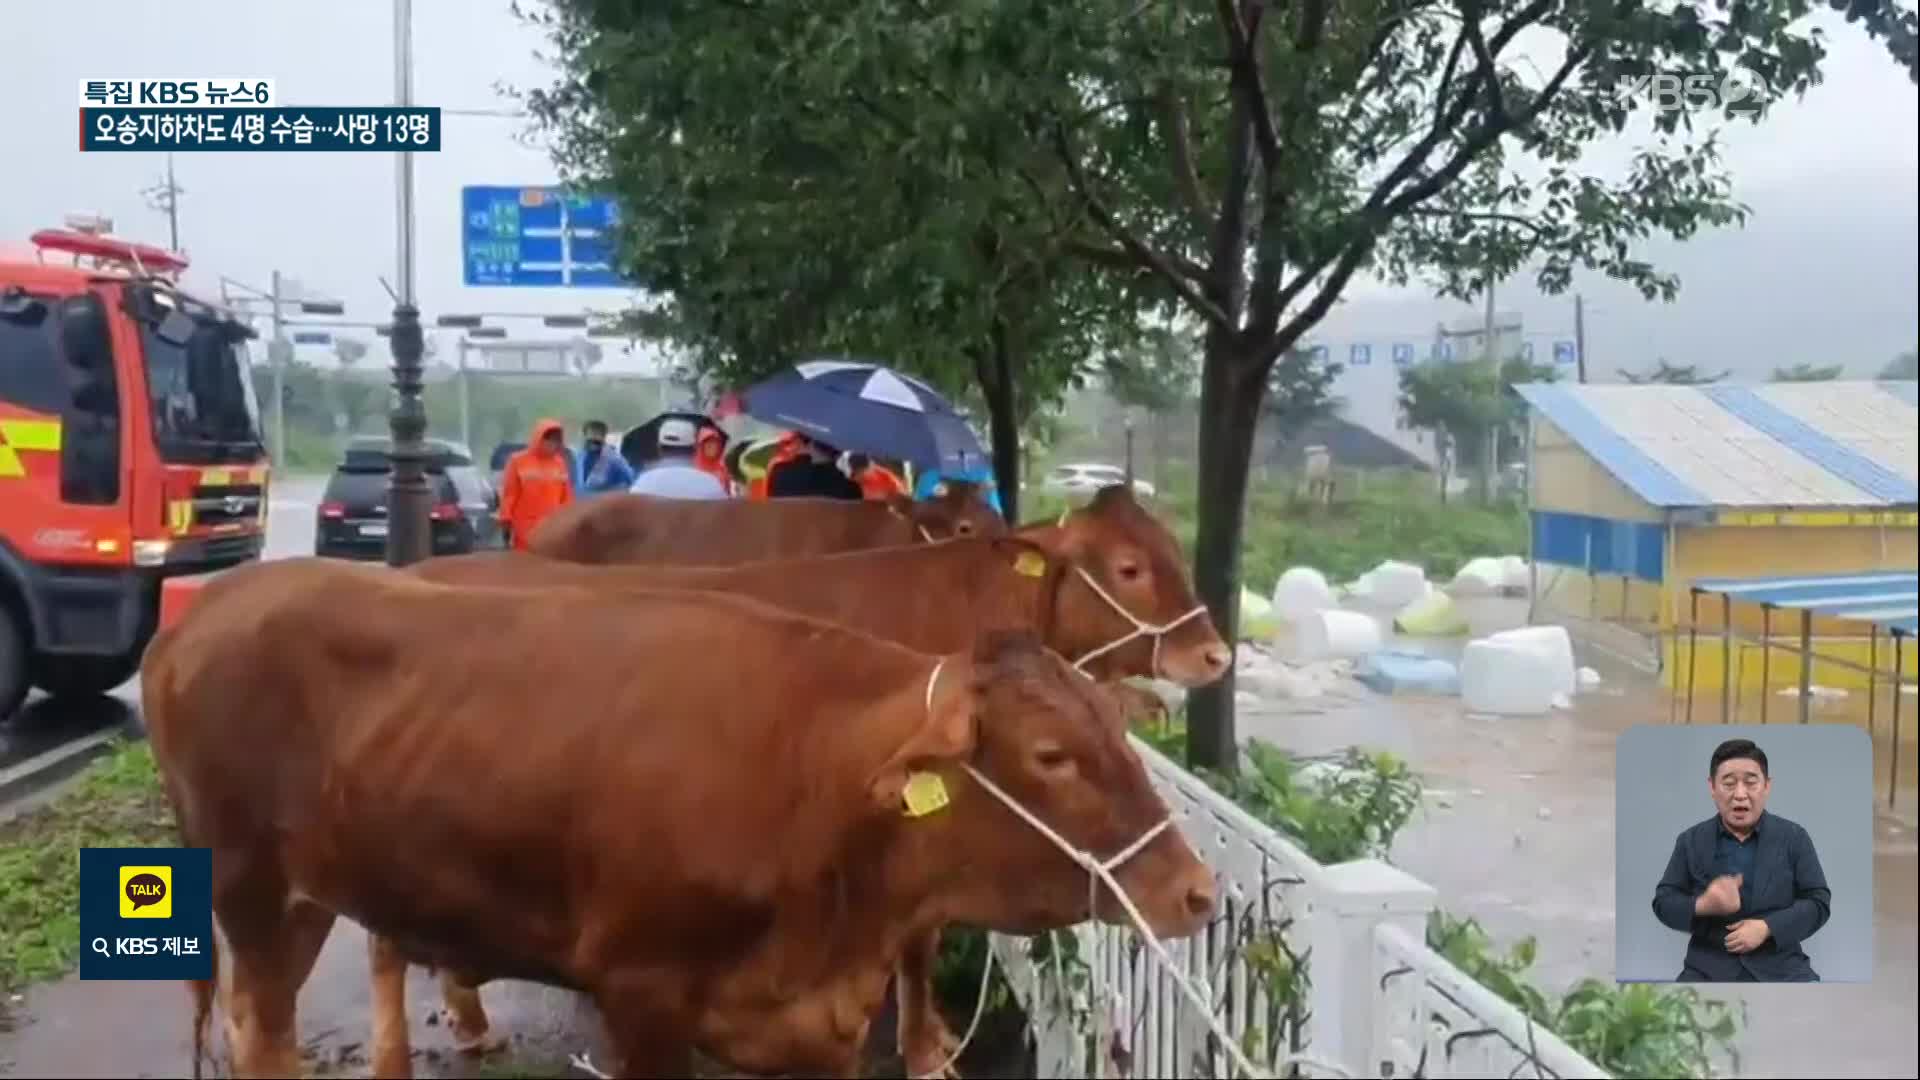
(1465, 405)
(1154, 372)
(1299, 393)
(1672, 374)
(789, 193)
(1809, 373)
(1236, 162)
(1905, 366)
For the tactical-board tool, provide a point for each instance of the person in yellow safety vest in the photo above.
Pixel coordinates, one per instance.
(789, 447)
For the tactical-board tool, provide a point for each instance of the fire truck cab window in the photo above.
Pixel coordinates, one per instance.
(90, 446)
(30, 375)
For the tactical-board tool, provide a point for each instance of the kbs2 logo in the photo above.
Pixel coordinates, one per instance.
(1735, 91)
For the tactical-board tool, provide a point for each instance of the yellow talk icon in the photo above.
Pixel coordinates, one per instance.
(146, 892)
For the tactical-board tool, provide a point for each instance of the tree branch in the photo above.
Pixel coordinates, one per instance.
(1122, 258)
(1383, 204)
(1490, 81)
(1520, 221)
(1180, 139)
(1183, 284)
(1247, 79)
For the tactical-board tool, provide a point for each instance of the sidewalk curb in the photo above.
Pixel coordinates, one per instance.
(51, 766)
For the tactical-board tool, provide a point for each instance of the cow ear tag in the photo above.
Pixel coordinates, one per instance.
(924, 794)
(1030, 563)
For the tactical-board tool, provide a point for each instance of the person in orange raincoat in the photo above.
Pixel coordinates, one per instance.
(877, 482)
(790, 447)
(710, 456)
(536, 482)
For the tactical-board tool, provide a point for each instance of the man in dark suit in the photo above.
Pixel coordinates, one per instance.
(1745, 884)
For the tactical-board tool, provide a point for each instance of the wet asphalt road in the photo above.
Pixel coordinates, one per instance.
(42, 725)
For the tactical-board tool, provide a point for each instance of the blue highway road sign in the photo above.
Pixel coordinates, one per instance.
(1563, 352)
(312, 337)
(537, 237)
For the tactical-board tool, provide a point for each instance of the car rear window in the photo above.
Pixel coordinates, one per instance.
(368, 487)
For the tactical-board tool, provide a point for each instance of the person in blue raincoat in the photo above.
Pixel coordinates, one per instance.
(599, 467)
(982, 474)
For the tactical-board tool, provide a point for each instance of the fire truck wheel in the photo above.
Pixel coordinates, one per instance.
(13, 662)
(83, 676)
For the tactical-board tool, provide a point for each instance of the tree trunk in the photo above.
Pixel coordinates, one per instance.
(1003, 423)
(1232, 401)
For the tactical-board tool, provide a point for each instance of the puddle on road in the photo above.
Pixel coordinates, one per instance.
(1516, 830)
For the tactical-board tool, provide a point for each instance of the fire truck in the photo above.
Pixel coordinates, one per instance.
(131, 453)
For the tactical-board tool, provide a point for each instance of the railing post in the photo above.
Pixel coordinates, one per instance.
(1350, 900)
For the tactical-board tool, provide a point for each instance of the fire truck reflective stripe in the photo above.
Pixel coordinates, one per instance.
(180, 515)
(216, 477)
(18, 435)
(31, 434)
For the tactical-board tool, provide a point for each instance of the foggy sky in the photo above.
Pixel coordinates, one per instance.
(1826, 271)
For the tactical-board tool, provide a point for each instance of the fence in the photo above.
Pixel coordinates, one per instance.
(1313, 970)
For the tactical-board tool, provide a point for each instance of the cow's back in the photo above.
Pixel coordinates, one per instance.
(625, 528)
(929, 597)
(406, 748)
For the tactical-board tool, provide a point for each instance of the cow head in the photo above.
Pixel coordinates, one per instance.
(958, 509)
(1011, 724)
(1126, 605)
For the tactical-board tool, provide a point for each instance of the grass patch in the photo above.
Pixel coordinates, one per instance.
(115, 802)
(1374, 517)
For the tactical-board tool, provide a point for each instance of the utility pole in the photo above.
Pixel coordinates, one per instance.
(1580, 336)
(466, 401)
(407, 536)
(165, 197)
(277, 349)
(1489, 453)
(173, 208)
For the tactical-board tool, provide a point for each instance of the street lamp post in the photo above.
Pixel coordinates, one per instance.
(408, 538)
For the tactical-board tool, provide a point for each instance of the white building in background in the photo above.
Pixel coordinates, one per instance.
(1369, 381)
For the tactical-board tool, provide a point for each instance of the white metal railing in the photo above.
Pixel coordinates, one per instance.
(1358, 931)
(1432, 1020)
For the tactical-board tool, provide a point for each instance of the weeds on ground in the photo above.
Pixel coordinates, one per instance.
(1632, 1031)
(115, 802)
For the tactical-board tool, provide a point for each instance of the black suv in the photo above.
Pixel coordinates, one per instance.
(352, 522)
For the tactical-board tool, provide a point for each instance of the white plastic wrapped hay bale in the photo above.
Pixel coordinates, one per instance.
(1301, 591)
(1514, 573)
(1433, 615)
(1553, 643)
(1508, 678)
(1480, 577)
(1257, 622)
(1335, 635)
(1397, 584)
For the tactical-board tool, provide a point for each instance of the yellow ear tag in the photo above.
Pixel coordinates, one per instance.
(1030, 563)
(924, 794)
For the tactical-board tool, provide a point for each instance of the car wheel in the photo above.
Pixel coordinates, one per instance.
(83, 676)
(13, 662)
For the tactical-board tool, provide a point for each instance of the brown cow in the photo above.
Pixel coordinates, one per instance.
(1084, 583)
(571, 798)
(623, 528)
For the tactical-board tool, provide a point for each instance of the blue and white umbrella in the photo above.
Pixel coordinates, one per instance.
(869, 409)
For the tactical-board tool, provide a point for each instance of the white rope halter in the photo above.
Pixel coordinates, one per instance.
(1099, 871)
(1140, 627)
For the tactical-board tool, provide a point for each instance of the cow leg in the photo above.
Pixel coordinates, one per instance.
(273, 953)
(648, 1040)
(926, 1042)
(392, 1043)
(461, 992)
